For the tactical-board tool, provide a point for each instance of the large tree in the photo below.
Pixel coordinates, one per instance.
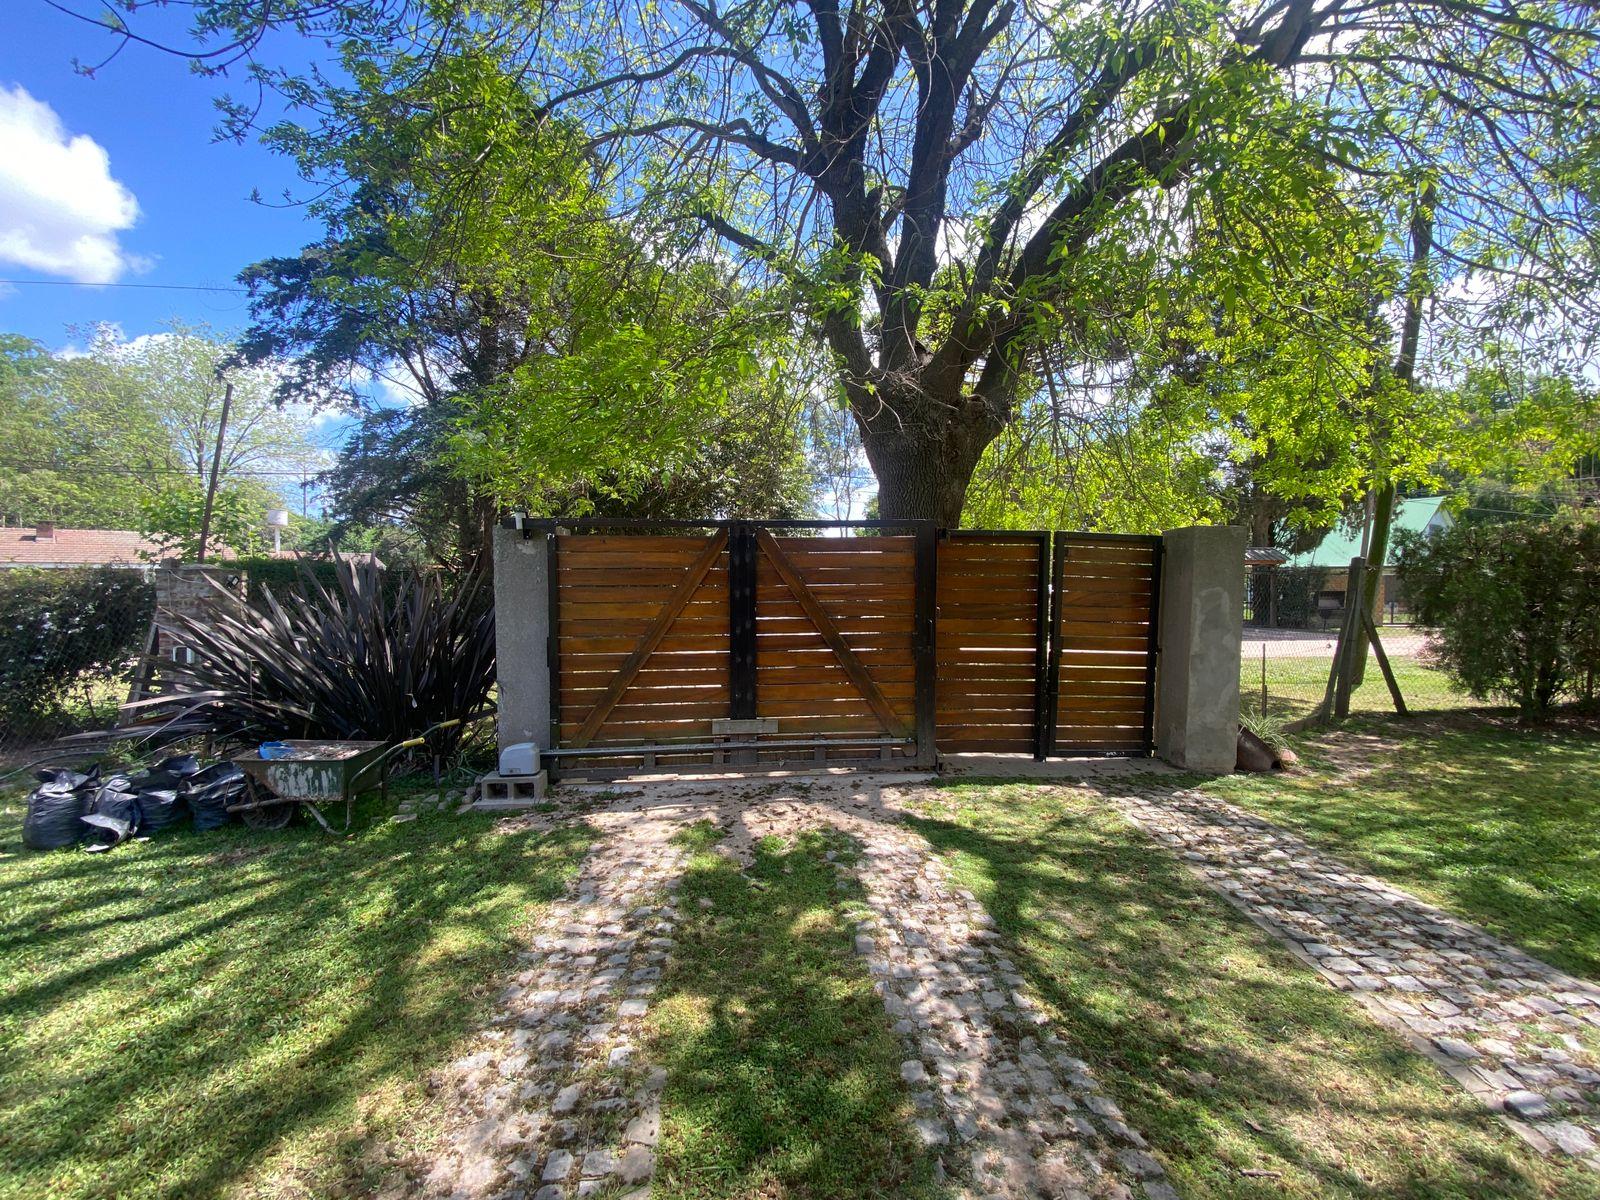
(546, 357)
(969, 196)
(122, 433)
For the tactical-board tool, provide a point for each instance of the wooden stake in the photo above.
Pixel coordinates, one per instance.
(1383, 663)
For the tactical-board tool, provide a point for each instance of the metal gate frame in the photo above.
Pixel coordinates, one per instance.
(743, 555)
(743, 547)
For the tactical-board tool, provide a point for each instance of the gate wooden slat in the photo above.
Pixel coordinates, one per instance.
(858, 674)
(652, 638)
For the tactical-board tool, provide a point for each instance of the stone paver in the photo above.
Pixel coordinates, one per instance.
(1000, 1095)
(552, 1103)
(1503, 1024)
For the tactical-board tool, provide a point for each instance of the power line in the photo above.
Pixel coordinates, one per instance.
(160, 287)
(109, 469)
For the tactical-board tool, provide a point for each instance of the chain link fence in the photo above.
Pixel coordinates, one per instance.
(1284, 674)
(70, 642)
(1311, 598)
(1292, 616)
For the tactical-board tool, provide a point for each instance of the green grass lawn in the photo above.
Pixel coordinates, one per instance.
(1295, 686)
(250, 1014)
(246, 1013)
(783, 1073)
(1495, 821)
(1248, 1074)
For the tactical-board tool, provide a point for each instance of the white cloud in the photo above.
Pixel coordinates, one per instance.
(60, 208)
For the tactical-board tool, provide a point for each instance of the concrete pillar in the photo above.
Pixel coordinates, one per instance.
(521, 636)
(1202, 607)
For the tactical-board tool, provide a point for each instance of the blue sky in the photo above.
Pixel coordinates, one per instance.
(66, 216)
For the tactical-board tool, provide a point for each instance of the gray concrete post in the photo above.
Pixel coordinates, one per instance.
(1202, 617)
(521, 637)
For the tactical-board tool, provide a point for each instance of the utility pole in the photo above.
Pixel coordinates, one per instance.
(216, 470)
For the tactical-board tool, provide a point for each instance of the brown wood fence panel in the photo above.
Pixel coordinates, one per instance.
(991, 649)
(1106, 606)
(981, 642)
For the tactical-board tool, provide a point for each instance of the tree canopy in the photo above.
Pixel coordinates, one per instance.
(550, 359)
(121, 435)
(996, 213)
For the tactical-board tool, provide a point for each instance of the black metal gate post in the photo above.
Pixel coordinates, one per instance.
(1153, 652)
(1044, 672)
(741, 621)
(553, 615)
(923, 654)
(1052, 701)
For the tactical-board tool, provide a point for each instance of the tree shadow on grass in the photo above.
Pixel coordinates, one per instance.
(1498, 821)
(783, 1073)
(179, 1012)
(1227, 1053)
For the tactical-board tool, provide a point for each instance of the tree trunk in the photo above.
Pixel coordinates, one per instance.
(1405, 373)
(923, 441)
(1371, 597)
(923, 473)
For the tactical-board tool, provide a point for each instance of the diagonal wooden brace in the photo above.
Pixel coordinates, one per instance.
(853, 666)
(652, 639)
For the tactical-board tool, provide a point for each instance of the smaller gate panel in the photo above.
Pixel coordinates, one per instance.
(1106, 594)
(990, 643)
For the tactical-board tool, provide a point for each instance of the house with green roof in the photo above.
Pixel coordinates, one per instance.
(1417, 514)
(1307, 590)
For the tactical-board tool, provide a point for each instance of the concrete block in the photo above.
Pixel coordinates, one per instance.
(1202, 616)
(510, 793)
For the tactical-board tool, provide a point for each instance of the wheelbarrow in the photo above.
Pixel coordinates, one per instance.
(311, 772)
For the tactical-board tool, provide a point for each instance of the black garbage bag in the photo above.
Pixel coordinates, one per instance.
(113, 818)
(65, 779)
(209, 792)
(160, 808)
(120, 782)
(54, 811)
(180, 766)
(154, 780)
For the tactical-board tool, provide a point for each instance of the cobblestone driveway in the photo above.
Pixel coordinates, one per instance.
(1512, 1030)
(553, 1101)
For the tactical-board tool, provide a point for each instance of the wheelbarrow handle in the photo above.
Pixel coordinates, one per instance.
(421, 739)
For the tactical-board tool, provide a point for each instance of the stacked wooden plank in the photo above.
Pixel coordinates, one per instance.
(1105, 605)
(988, 643)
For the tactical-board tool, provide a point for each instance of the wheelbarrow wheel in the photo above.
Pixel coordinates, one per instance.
(269, 815)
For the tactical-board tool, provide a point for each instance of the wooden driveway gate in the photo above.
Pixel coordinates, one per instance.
(763, 643)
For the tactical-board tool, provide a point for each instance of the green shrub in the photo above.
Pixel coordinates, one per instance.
(1513, 606)
(58, 630)
(282, 574)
